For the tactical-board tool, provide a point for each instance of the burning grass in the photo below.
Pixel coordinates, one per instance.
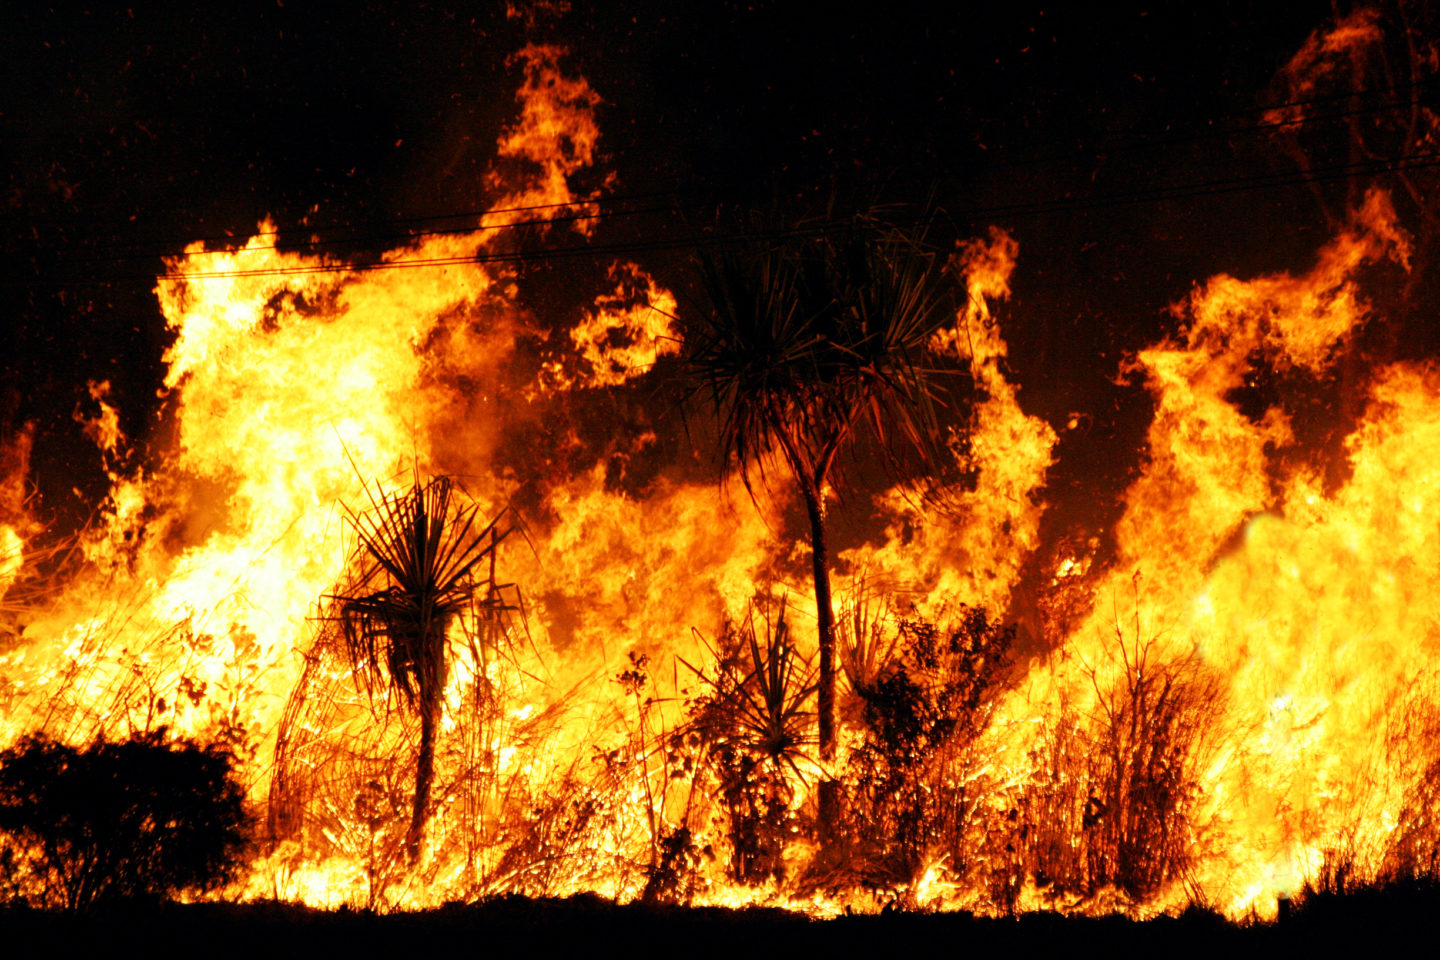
(1228, 696)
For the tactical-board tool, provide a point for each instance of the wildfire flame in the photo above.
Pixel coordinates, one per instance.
(1267, 616)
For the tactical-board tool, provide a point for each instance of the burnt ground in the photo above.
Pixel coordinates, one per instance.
(1397, 920)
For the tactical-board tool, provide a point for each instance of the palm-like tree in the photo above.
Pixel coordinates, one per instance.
(757, 692)
(425, 558)
(802, 344)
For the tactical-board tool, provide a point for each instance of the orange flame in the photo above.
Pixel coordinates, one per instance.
(1273, 624)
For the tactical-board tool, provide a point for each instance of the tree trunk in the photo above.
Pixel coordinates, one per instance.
(825, 622)
(828, 796)
(424, 774)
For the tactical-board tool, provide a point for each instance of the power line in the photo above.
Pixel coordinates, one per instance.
(1334, 97)
(1013, 211)
(1345, 171)
(164, 249)
(300, 246)
(1209, 135)
(167, 249)
(1010, 211)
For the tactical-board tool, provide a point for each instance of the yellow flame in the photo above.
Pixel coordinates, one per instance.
(1271, 621)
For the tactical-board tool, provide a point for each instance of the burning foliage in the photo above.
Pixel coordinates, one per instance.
(653, 723)
(421, 550)
(803, 345)
(1115, 799)
(912, 778)
(751, 725)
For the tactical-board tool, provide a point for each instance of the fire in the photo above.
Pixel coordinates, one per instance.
(977, 560)
(1321, 56)
(619, 339)
(15, 520)
(1237, 697)
(557, 132)
(1282, 599)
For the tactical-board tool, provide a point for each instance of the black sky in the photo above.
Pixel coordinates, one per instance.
(126, 133)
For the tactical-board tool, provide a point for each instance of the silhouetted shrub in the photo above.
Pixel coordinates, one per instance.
(908, 800)
(1116, 790)
(752, 725)
(1412, 850)
(1154, 732)
(135, 819)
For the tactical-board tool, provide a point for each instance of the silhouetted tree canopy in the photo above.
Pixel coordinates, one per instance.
(802, 344)
(134, 819)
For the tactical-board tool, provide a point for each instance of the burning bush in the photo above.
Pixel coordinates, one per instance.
(1147, 756)
(421, 622)
(1114, 789)
(139, 818)
(909, 799)
(1412, 850)
(752, 726)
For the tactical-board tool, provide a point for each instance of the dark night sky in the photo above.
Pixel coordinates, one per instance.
(123, 136)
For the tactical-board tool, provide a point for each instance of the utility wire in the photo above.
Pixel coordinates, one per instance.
(301, 246)
(1006, 211)
(167, 249)
(161, 248)
(1101, 153)
(676, 208)
(1011, 211)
